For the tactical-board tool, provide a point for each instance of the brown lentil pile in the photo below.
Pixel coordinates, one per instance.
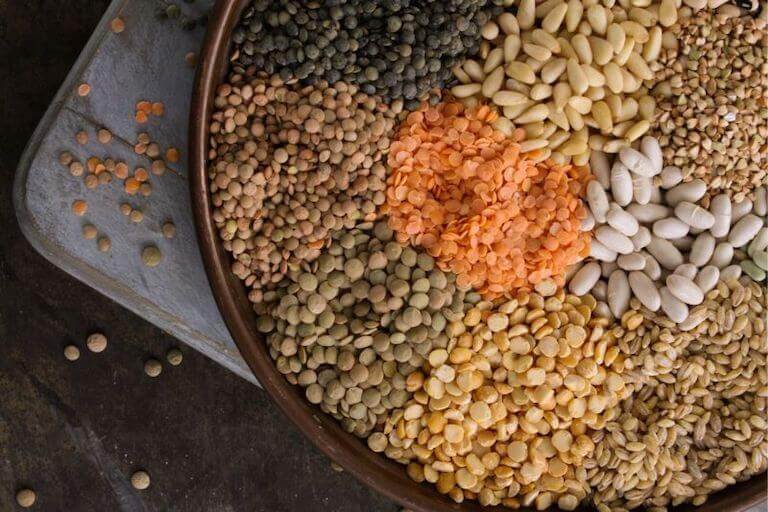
(290, 165)
(697, 421)
(352, 325)
(712, 94)
(509, 409)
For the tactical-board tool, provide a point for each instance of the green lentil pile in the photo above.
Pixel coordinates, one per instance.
(393, 48)
(289, 165)
(352, 325)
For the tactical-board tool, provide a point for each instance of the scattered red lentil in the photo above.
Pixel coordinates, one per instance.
(104, 136)
(121, 170)
(136, 216)
(141, 117)
(140, 148)
(131, 186)
(79, 207)
(158, 109)
(169, 229)
(172, 155)
(90, 232)
(65, 158)
(117, 25)
(158, 167)
(145, 189)
(83, 89)
(82, 137)
(76, 169)
(141, 174)
(144, 106)
(104, 244)
(143, 138)
(91, 181)
(498, 219)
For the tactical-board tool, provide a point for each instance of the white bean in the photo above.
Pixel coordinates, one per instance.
(730, 272)
(600, 252)
(652, 268)
(638, 163)
(694, 215)
(688, 270)
(614, 240)
(683, 244)
(618, 293)
(645, 291)
(759, 243)
(665, 253)
(670, 228)
(597, 200)
(685, 289)
(761, 259)
(608, 267)
(745, 230)
(588, 222)
(641, 238)
(600, 167)
(739, 210)
(621, 184)
(752, 270)
(634, 261)
(656, 194)
(691, 322)
(602, 310)
(650, 147)
(691, 191)
(571, 270)
(583, 281)
(622, 221)
(760, 206)
(707, 278)
(720, 208)
(649, 213)
(722, 255)
(599, 291)
(674, 308)
(671, 176)
(702, 249)
(642, 189)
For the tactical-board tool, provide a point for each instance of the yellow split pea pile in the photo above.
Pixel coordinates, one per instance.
(406, 267)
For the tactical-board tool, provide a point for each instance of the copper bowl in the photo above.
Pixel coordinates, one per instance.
(376, 471)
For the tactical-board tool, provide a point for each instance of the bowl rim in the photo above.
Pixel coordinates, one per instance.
(373, 469)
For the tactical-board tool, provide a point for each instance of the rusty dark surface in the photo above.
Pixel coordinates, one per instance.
(75, 431)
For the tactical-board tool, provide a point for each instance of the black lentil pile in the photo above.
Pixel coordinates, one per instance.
(397, 49)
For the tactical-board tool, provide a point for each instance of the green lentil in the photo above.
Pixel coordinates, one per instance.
(359, 330)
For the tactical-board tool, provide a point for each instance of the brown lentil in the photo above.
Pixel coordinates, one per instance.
(71, 353)
(140, 480)
(26, 498)
(174, 357)
(90, 232)
(290, 165)
(153, 367)
(96, 342)
(151, 255)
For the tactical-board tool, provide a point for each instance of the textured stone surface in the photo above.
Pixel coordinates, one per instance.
(74, 432)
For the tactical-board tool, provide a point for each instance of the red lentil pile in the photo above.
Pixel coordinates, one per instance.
(497, 218)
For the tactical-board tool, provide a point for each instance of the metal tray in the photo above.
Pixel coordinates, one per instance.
(145, 61)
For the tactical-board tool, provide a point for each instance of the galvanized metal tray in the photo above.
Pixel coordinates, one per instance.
(145, 61)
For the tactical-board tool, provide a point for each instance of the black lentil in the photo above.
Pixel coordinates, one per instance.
(390, 48)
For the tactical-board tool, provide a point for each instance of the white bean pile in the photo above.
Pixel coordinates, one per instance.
(655, 242)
